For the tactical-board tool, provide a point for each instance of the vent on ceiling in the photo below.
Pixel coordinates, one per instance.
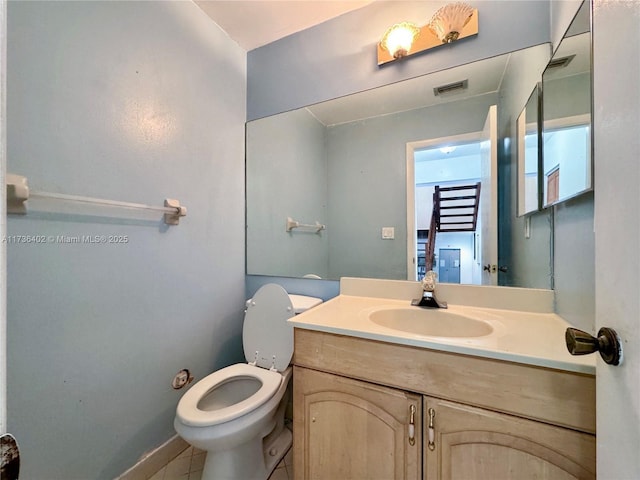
(560, 62)
(451, 88)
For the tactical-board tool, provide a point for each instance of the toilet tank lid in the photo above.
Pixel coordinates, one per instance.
(302, 303)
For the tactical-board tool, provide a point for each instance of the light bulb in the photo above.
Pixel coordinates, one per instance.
(399, 38)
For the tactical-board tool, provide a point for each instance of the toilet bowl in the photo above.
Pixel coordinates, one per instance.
(236, 414)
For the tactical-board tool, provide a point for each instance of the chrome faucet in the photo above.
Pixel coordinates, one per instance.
(429, 299)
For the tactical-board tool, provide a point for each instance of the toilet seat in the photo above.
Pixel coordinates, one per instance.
(267, 337)
(190, 414)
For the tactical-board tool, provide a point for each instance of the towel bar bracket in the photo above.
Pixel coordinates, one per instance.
(291, 224)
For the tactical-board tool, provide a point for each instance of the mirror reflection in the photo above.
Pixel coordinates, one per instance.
(566, 86)
(357, 166)
(529, 155)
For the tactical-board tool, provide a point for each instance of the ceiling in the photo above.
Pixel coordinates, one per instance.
(253, 23)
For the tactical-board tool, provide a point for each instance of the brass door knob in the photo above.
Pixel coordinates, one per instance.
(607, 343)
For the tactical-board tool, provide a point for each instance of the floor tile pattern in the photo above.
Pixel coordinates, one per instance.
(189, 464)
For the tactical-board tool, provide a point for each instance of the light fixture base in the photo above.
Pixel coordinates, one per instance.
(451, 37)
(427, 39)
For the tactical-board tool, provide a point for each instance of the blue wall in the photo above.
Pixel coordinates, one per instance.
(287, 154)
(338, 57)
(368, 178)
(131, 101)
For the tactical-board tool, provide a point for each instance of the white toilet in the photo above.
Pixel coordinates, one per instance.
(237, 413)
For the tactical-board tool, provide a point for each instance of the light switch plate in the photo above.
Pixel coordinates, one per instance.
(388, 233)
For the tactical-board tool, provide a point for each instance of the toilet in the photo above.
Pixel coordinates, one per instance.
(236, 414)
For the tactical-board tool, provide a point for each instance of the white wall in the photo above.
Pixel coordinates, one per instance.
(3, 218)
(131, 101)
(617, 232)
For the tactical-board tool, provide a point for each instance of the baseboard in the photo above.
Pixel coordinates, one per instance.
(156, 459)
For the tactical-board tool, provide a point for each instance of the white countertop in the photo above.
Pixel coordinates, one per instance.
(524, 337)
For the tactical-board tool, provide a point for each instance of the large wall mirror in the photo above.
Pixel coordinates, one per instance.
(566, 109)
(327, 185)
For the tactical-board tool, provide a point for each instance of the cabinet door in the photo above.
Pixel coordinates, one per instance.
(347, 429)
(476, 444)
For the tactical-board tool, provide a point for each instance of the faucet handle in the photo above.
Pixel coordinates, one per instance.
(429, 281)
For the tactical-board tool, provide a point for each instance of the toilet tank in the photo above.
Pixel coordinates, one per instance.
(302, 303)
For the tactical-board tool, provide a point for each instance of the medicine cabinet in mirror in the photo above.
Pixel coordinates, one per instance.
(567, 169)
(529, 151)
(327, 192)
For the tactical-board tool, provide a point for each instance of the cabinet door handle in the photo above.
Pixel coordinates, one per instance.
(412, 425)
(432, 432)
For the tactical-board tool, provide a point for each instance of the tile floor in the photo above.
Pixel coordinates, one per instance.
(188, 466)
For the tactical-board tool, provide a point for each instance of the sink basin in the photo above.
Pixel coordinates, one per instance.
(430, 322)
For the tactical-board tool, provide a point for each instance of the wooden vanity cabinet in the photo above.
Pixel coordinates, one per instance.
(351, 430)
(478, 444)
(491, 419)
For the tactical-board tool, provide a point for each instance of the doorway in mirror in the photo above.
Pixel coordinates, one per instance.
(464, 166)
(446, 180)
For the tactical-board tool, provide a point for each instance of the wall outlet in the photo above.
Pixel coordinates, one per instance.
(388, 233)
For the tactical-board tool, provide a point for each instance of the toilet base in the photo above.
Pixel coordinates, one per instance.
(254, 460)
(274, 453)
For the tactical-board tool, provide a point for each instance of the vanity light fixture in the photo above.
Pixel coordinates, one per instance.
(450, 23)
(399, 39)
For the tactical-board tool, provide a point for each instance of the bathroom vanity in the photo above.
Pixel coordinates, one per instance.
(374, 399)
